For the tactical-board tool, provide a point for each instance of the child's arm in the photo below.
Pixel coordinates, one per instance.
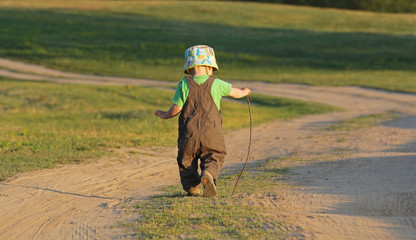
(173, 111)
(239, 92)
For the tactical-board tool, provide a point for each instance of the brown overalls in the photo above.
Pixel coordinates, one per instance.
(200, 135)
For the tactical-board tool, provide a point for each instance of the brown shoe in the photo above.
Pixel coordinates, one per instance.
(194, 191)
(207, 180)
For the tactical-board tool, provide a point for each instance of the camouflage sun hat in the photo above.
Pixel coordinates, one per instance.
(200, 55)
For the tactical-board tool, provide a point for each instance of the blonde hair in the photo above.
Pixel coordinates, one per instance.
(192, 71)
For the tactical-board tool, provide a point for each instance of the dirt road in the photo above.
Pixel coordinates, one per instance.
(341, 185)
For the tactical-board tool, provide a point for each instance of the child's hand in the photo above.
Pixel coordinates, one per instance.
(173, 111)
(239, 92)
(160, 114)
(247, 91)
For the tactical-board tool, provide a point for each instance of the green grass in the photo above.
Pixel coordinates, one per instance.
(253, 41)
(174, 215)
(44, 124)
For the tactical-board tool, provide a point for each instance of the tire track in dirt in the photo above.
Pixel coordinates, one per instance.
(344, 185)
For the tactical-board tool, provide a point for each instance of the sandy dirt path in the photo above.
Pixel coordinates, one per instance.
(342, 184)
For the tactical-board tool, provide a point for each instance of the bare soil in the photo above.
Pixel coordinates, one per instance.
(342, 184)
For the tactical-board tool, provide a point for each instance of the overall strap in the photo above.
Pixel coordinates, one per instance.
(207, 84)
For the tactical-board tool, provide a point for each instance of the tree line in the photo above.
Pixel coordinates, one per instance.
(393, 6)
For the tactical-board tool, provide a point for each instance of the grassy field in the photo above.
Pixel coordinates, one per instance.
(43, 124)
(253, 41)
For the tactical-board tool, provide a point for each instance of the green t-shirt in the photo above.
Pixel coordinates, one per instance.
(219, 89)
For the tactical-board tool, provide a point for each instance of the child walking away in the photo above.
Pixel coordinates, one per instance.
(197, 99)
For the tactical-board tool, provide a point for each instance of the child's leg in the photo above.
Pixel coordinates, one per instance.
(188, 170)
(213, 152)
(212, 162)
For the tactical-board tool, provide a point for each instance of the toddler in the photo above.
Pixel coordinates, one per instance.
(197, 99)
